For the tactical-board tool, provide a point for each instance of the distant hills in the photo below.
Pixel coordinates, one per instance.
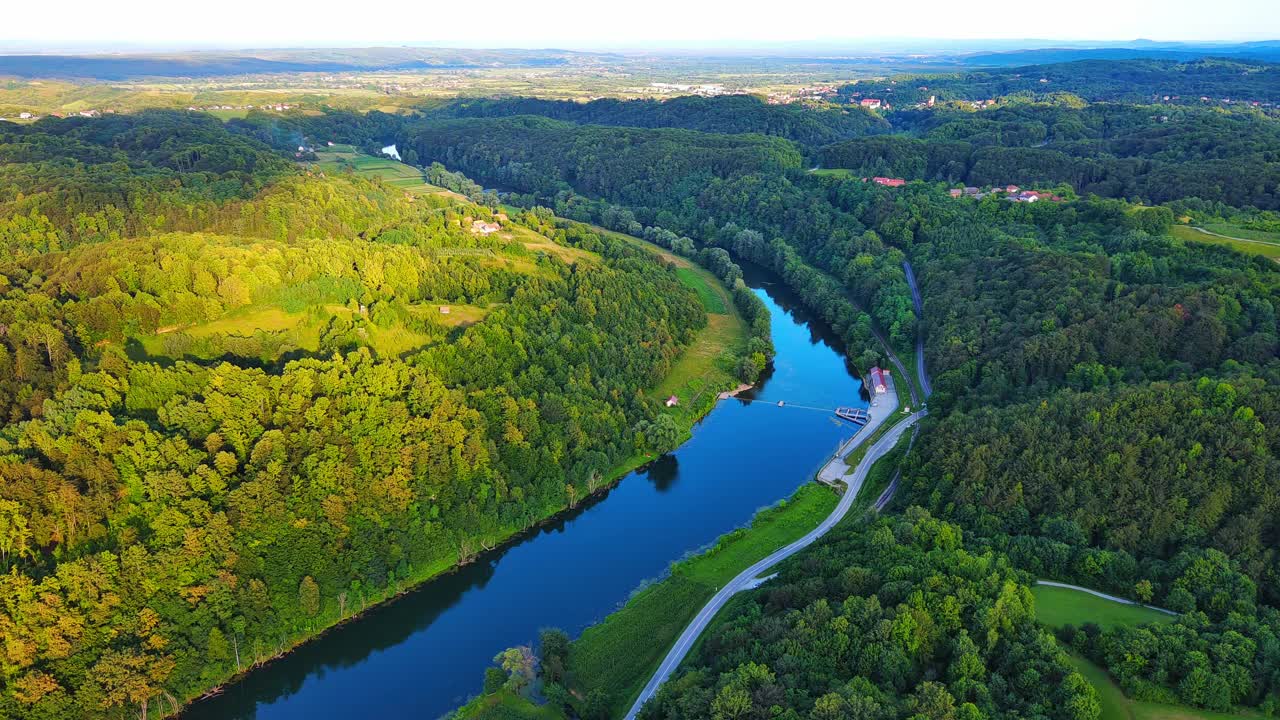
(208, 64)
(1140, 50)
(199, 64)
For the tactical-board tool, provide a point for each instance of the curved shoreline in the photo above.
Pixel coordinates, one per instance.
(749, 578)
(500, 545)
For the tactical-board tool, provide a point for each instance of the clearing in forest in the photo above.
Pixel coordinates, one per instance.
(1253, 242)
(1057, 607)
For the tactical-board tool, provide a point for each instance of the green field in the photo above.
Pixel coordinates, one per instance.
(1252, 242)
(834, 172)
(711, 298)
(1244, 233)
(340, 158)
(1057, 607)
(281, 331)
(622, 652)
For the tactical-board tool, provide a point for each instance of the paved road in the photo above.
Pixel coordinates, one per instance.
(922, 374)
(887, 495)
(883, 406)
(747, 578)
(1104, 596)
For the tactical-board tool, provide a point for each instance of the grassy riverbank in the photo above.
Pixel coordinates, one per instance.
(621, 653)
(709, 365)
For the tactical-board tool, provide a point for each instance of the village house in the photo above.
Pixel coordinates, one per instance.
(889, 182)
(480, 227)
(872, 103)
(956, 192)
(1033, 196)
(673, 401)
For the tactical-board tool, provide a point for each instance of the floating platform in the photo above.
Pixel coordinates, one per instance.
(858, 416)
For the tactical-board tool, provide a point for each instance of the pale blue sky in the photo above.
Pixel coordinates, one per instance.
(610, 23)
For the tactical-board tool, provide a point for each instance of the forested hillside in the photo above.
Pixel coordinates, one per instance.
(734, 192)
(1085, 360)
(1156, 153)
(1127, 81)
(809, 127)
(899, 618)
(221, 442)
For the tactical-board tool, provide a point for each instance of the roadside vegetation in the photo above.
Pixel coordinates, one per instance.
(609, 664)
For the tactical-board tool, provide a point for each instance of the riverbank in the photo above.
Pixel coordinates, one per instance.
(622, 651)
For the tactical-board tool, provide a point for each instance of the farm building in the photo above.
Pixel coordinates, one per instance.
(673, 401)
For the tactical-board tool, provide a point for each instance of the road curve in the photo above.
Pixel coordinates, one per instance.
(925, 386)
(747, 578)
(1104, 596)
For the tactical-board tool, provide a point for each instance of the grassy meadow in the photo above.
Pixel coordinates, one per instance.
(1253, 242)
(340, 158)
(1058, 607)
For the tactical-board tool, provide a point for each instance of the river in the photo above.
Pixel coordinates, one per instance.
(425, 654)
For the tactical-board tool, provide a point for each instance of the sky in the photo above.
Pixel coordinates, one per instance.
(617, 24)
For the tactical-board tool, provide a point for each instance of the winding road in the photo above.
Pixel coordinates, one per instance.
(751, 577)
(925, 386)
(747, 579)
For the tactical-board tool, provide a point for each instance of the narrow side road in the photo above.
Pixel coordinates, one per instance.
(922, 374)
(747, 578)
(1104, 596)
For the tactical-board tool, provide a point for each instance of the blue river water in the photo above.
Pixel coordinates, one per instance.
(425, 654)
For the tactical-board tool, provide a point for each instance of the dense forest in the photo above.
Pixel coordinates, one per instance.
(1085, 360)
(189, 489)
(236, 412)
(1156, 154)
(900, 618)
(733, 114)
